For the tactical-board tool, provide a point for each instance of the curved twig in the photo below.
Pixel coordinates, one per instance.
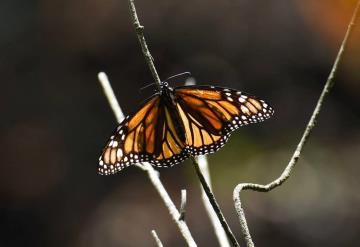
(311, 124)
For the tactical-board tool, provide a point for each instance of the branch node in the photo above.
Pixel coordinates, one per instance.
(139, 29)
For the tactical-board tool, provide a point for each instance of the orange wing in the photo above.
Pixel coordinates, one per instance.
(210, 114)
(148, 136)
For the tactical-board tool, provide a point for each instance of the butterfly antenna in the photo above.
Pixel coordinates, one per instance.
(146, 86)
(177, 75)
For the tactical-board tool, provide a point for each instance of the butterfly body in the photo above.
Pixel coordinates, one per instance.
(176, 123)
(169, 100)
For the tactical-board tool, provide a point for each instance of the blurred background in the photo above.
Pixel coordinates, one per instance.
(55, 119)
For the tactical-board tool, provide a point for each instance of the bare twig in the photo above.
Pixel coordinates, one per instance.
(157, 239)
(204, 168)
(152, 174)
(296, 155)
(183, 205)
(218, 229)
(109, 93)
(214, 204)
(140, 34)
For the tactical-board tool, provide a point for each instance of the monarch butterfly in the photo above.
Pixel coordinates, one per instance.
(178, 122)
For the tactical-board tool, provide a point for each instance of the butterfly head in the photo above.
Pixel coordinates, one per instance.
(164, 84)
(165, 87)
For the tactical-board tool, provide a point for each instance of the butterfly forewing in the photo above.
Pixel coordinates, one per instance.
(148, 136)
(210, 114)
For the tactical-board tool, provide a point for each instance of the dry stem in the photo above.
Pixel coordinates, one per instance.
(296, 155)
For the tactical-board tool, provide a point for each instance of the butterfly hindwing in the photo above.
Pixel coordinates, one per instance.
(147, 136)
(210, 114)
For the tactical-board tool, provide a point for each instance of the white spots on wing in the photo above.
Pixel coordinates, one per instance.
(244, 109)
(123, 137)
(228, 94)
(241, 100)
(111, 143)
(101, 163)
(115, 144)
(126, 159)
(112, 137)
(119, 153)
(229, 99)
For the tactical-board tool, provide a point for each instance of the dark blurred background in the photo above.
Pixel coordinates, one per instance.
(55, 119)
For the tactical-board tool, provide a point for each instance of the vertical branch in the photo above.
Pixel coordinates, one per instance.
(140, 34)
(215, 205)
(219, 230)
(152, 174)
(296, 155)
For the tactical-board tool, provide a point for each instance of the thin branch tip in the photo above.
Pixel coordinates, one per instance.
(156, 238)
(139, 30)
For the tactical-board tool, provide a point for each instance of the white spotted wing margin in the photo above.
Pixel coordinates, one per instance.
(211, 113)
